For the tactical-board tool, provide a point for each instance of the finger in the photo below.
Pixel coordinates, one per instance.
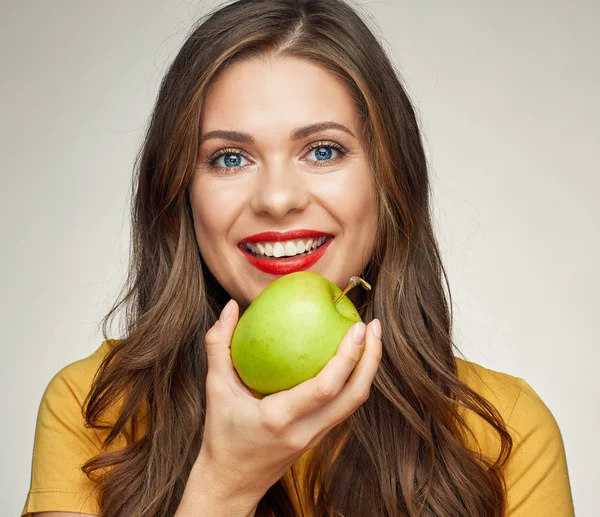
(217, 342)
(355, 392)
(313, 394)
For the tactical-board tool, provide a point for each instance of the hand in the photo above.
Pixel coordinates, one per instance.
(248, 443)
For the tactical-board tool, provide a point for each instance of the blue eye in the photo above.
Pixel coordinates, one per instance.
(324, 152)
(232, 158)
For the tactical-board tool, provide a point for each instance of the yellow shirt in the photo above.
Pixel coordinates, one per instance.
(536, 475)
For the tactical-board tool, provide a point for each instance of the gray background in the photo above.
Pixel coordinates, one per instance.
(507, 93)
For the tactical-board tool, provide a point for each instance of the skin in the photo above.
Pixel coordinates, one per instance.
(281, 184)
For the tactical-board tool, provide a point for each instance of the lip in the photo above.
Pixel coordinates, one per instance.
(284, 266)
(282, 236)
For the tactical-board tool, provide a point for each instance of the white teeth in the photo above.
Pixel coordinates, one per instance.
(290, 249)
(287, 248)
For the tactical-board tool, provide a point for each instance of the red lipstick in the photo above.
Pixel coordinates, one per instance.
(284, 265)
(283, 236)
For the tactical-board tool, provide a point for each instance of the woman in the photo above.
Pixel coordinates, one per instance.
(275, 116)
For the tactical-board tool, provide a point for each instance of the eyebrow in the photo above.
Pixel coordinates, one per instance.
(297, 134)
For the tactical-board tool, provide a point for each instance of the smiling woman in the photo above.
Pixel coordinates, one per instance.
(300, 166)
(283, 140)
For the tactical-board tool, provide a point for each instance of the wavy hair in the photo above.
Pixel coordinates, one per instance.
(404, 451)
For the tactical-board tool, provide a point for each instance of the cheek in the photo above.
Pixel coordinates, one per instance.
(358, 210)
(352, 196)
(212, 211)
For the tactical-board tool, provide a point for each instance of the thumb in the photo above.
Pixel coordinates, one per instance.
(218, 340)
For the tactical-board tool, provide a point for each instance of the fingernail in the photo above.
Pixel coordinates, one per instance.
(358, 333)
(226, 310)
(376, 328)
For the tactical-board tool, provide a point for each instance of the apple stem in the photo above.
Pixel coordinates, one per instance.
(353, 282)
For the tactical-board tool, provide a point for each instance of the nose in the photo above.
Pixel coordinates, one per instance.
(279, 191)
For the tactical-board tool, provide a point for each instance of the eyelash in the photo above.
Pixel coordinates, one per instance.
(342, 151)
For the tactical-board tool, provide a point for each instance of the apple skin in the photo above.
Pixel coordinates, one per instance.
(290, 331)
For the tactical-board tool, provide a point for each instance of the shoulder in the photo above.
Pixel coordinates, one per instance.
(63, 443)
(521, 408)
(65, 396)
(62, 406)
(536, 475)
(517, 402)
(502, 390)
(73, 382)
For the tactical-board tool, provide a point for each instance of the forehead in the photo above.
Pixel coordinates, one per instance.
(264, 97)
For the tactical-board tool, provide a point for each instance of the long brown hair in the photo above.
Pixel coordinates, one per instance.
(404, 451)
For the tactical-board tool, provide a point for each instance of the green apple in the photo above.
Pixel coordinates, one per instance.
(290, 331)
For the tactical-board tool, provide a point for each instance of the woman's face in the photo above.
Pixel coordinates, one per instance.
(277, 177)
